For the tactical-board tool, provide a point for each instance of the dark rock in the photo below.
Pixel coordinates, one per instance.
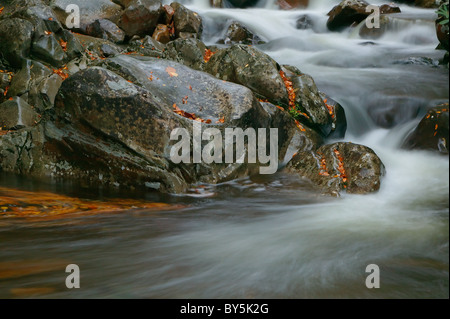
(141, 17)
(108, 50)
(252, 68)
(340, 166)
(103, 106)
(148, 47)
(122, 3)
(442, 27)
(216, 3)
(376, 33)
(189, 52)
(89, 11)
(389, 8)
(207, 97)
(186, 21)
(105, 29)
(242, 3)
(304, 22)
(237, 33)
(417, 61)
(161, 33)
(426, 3)
(256, 70)
(168, 14)
(15, 44)
(94, 46)
(389, 111)
(5, 80)
(21, 151)
(47, 49)
(42, 94)
(309, 102)
(292, 137)
(442, 32)
(310, 108)
(346, 13)
(30, 75)
(124, 114)
(292, 4)
(17, 113)
(432, 132)
(337, 113)
(42, 17)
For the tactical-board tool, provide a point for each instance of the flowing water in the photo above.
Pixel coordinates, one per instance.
(270, 237)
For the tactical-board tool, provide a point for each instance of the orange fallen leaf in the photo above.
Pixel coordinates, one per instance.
(343, 174)
(289, 89)
(61, 72)
(171, 71)
(208, 54)
(330, 108)
(1, 9)
(301, 128)
(63, 44)
(47, 32)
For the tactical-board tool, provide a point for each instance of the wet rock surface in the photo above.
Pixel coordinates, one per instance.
(432, 132)
(340, 167)
(100, 105)
(237, 33)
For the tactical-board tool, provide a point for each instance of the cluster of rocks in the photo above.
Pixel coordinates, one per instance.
(98, 105)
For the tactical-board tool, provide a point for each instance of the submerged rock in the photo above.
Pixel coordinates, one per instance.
(432, 133)
(304, 22)
(337, 167)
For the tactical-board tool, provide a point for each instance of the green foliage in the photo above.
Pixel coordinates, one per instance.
(443, 13)
(294, 113)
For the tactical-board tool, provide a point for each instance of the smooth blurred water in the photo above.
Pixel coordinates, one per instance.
(273, 237)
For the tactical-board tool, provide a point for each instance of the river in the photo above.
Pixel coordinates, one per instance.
(271, 237)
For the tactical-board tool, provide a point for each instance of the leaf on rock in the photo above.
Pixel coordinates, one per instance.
(171, 71)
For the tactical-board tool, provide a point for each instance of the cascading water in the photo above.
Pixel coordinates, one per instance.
(271, 237)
